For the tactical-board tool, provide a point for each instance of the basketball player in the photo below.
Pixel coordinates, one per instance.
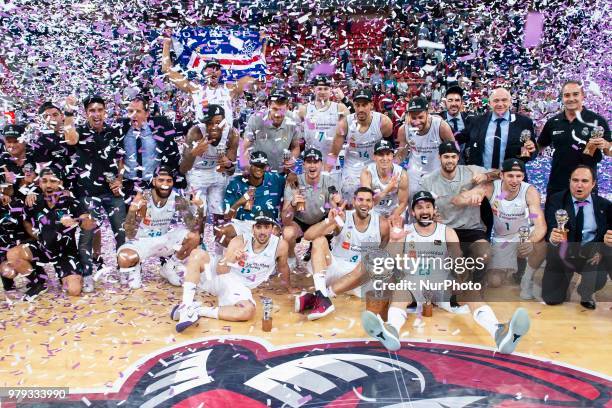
(425, 230)
(516, 206)
(322, 118)
(419, 138)
(209, 158)
(148, 230)
(341, 270)
(212, 91)
(388, 180)
(365, 128)
(52, 221)
(250, 260)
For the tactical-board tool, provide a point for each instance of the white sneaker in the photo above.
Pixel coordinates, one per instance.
(170, 272)
(88, 284)
(175, 313)
(188, 316)
(134, 279)
(381, 331)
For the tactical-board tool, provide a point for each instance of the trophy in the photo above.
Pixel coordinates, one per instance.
(562, 218)
(221, 152)
(525, 136)
(597, 132)
(523, 233)
(248, 206)
(266, 321)
(301, 206)
(286, 155)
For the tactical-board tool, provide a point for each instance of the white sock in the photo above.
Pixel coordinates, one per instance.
(528, 275)
(189, 290)
(485, 317)
(396, 318)
(210, 312)
(330, 292)
(126, 271)
(319, 282)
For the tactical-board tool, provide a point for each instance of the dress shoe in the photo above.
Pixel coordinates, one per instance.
(589, 304)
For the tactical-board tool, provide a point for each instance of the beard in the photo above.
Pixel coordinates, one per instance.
(163, 193)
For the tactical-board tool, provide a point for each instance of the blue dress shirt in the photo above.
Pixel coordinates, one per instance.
(487, 157)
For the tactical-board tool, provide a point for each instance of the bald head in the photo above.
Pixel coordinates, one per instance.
(500, 101)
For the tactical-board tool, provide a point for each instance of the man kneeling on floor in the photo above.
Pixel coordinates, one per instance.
(150, 231)
(250, 260)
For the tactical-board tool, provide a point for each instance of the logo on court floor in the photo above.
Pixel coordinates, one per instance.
(245, 372)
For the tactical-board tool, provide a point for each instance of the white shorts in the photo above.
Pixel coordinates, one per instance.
(163, 245)
(504, 251)
(336, 270)
(212, 195)
(243, 226)
(228, 288)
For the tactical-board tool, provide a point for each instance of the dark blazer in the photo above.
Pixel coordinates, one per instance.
(477, 133)
(164, 134)
(563, 200)
(467, 117)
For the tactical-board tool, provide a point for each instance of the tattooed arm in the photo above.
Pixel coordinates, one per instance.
(135, 214)
(192, 215)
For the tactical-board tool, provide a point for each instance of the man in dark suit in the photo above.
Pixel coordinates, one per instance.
(455, 114)
(496, 135)
(457, 118)
(148, 142)
(585, 254)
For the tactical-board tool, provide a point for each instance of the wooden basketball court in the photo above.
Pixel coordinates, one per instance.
(94, 343)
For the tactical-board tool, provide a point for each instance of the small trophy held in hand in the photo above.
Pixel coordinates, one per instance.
(525, 138)
(597, 132)
(248, 206)
(562, 218)
(523, 233)
(221, 152)
(301, 206)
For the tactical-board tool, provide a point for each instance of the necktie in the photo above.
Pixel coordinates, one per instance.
(139, 156)
(455, 126)
(497, 144)
(579, 220)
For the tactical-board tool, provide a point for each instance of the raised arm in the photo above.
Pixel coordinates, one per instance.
(179, 80)
(134, 216)
(402, 150)
(70, 133)
(193, 136)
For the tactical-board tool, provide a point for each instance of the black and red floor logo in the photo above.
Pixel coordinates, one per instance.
(246, 373)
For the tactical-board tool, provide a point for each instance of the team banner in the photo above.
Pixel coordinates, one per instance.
(237, 49)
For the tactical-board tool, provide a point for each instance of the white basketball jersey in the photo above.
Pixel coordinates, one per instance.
(349, 244)
(426, 249)
(390, 202)
(320, 127)
(157, 220)
(423, 156)
(204, 171)
(509, 215)
(360, 146)
(214, 96)
(257, 267)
